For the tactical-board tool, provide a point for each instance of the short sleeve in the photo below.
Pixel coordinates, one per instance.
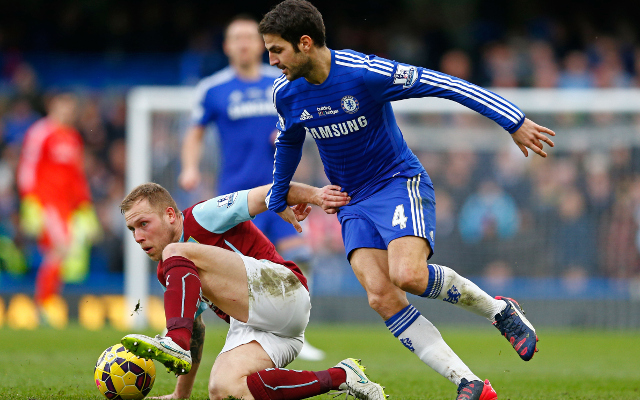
(222, 213)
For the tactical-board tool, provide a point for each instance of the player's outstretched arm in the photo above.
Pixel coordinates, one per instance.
(532, 135)
(256, 202)
(190, 155)
(329, 198)
(184, 384)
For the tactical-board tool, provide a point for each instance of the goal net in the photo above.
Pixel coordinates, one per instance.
(571, 218)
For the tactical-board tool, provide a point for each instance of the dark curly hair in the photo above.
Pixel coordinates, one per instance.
(292, 19)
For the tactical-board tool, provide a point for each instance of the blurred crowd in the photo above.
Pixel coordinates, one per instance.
(574, 215)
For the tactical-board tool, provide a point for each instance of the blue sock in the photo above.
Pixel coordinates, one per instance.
(445, 284)
(423, 339)
(402, 320)
(436, 280)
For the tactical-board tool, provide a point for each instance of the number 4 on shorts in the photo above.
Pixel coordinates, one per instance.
(399, 218)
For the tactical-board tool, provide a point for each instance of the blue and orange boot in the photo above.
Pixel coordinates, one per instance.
(513, 325)
(476, 390)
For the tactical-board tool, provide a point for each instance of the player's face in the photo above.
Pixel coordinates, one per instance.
(243, 44)
(152, 231)
(293, 64)
(65, 108)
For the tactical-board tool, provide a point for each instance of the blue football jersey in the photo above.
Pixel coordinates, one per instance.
(350, 117)
(245, 117)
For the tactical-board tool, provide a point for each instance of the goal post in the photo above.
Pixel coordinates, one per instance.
(142, 102)
(413, 117)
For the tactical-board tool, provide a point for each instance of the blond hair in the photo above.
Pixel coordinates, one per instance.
(159, 198)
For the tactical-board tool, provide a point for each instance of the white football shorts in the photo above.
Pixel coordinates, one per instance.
(279, 308)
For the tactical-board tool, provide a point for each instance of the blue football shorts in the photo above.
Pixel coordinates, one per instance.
(402, 207)
(274, 227)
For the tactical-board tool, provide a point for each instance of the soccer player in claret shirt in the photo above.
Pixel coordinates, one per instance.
(342, 99)
(212, 254)
(237, 100)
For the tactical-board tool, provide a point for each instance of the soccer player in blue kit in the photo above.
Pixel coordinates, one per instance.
(342, 99)
(238, 100)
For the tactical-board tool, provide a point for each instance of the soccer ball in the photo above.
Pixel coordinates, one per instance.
(121, 375)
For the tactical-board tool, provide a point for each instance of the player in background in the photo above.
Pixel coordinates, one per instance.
(212, 253)
(55, 204)
(342, 99)
(238, 100)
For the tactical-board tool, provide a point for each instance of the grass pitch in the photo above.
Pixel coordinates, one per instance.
(51, 364)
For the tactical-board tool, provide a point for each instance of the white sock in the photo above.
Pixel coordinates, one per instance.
(447, 285)
(419, 335)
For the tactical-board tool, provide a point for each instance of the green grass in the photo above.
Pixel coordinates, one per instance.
(51, 364)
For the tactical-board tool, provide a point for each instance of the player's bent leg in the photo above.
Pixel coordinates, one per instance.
(181, 298)
(231, 369)
(445, 284)
(222, 275)
(403, 320)
(284, 384)
(410, 271)
(407, 263)
(371, 268)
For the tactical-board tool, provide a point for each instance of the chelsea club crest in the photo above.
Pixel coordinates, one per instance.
(349, 104)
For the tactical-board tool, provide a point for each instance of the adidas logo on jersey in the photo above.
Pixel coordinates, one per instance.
(305, 115)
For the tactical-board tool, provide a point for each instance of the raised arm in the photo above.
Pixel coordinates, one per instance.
(190, 155)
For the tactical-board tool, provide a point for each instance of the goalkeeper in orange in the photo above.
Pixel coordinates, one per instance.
(55, 202)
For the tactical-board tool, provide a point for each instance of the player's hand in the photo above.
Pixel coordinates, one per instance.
(189, 179)
(330, 198)
(290, 216)
(31, 216)
(532, 135)
(84, 222)
(301, 211)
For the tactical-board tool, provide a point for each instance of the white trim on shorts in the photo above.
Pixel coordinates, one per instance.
(417, 213)
(279, 307)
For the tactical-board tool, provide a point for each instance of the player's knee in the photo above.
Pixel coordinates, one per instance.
(172, 249)
(220, 389)
(384, 303)
(409, 276)
(376, 302)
